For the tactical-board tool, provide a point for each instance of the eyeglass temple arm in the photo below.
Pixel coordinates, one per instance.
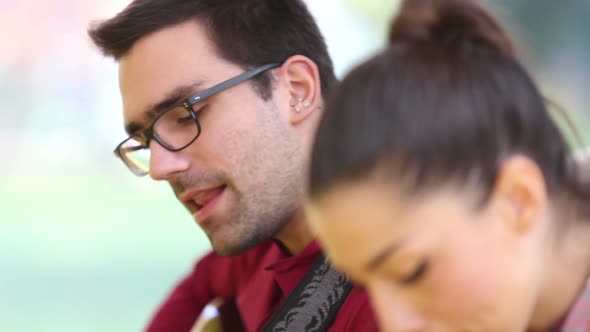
(231, 82)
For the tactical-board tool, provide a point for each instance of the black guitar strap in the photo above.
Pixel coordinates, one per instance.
(314, 303)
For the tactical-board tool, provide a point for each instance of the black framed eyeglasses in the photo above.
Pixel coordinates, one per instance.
(176, 128)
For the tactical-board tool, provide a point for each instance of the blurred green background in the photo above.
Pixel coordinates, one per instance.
(84, 245)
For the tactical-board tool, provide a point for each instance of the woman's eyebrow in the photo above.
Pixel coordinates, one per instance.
(382, 255)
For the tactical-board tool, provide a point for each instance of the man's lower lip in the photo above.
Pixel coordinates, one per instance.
(206, 210)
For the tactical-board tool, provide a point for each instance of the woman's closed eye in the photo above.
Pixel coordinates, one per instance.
(417, 273)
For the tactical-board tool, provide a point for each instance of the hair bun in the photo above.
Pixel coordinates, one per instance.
(448, 23)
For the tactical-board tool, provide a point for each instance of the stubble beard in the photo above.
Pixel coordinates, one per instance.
(263, 207)
(247, 226)
(268, 168)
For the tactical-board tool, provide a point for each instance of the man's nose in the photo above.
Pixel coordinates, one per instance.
(165, 163)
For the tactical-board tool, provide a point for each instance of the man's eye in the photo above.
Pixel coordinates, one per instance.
(417, 274)
(186, 119)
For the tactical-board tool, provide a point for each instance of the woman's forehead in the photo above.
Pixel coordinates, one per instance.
(357, 223)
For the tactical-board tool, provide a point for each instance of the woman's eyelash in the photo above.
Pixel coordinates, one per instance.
(417, 274)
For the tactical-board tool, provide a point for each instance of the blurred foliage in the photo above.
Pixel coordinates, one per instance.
(378, 12)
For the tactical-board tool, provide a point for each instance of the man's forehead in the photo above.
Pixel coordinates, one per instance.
(166, 59)
(185, 37)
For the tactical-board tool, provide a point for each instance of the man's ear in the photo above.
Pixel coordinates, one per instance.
(302, 79)
(520, 194)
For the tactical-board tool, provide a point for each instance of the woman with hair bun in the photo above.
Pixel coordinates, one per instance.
(440, 181)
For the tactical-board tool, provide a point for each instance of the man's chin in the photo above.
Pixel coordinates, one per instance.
(228, 248)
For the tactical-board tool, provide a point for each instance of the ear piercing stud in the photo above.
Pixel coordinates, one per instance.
(303, 102)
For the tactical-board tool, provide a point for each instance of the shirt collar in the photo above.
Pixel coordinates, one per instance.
(286, 261)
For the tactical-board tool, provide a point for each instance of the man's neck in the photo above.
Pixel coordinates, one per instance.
(296, 235)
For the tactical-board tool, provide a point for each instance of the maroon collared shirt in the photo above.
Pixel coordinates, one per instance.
(258, 281)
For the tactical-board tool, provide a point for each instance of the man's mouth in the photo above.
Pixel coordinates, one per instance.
(201, 202)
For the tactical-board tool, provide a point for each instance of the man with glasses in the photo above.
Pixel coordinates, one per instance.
(221, 99)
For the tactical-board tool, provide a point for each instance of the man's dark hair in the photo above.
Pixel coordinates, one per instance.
(249, 33)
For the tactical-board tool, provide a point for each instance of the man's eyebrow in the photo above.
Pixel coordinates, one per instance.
(380, 257)
(177, 94)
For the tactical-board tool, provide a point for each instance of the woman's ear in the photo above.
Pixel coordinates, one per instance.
(301, 76)
(520, 194)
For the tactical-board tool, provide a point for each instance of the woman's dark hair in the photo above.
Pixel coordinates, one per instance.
(249, 33)
(446, 102)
